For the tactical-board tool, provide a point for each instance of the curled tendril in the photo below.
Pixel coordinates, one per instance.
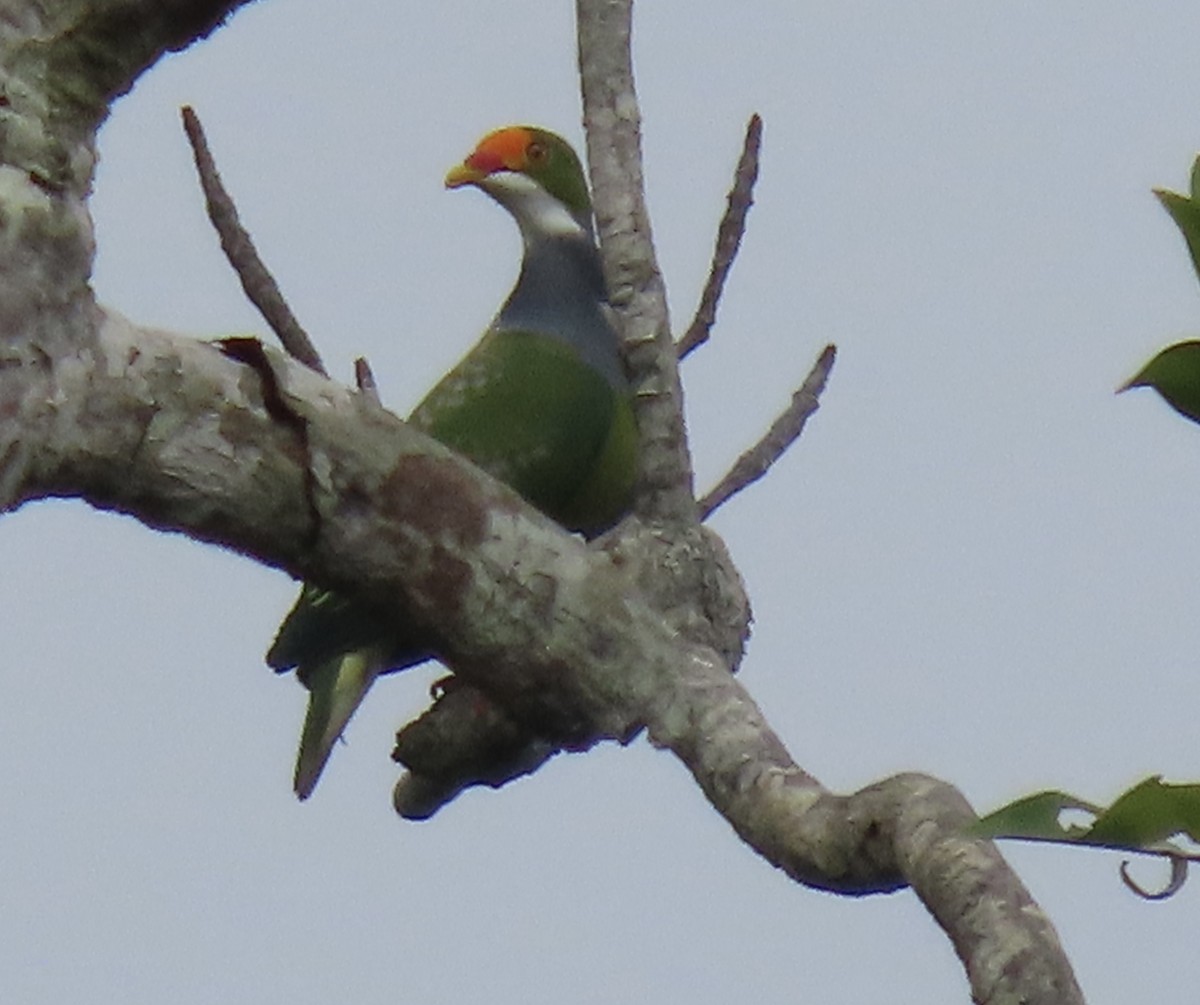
(1179, 873)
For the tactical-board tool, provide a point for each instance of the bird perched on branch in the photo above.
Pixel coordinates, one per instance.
(540, 402)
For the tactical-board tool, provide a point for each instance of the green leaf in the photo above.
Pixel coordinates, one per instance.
(1142, 819)
(1036, 818)
(1175, 374)
(1185, 211)
(1150, 812)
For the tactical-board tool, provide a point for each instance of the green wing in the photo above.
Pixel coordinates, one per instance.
(525, 409)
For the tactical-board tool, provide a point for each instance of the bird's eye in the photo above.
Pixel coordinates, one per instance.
(536, 152)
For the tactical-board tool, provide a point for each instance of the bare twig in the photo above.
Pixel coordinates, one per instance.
(365, 379)
(756, 461)
(259, 284)
(729, 237)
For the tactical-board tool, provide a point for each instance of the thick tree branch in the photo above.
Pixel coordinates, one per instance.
(613, 124)
(176, 433)
(689, 585)
(87, 53)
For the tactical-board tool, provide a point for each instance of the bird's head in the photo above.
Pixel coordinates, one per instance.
(535, 175)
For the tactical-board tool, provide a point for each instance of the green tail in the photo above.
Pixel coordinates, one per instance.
(337, 687)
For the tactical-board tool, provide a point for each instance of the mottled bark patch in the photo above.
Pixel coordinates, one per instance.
(437, 499)
(443, 507)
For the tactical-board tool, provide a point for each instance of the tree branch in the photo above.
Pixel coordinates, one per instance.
(255, 277)
(364, 379)
(559, 638)
(784, 431)
(464, 739)
(613, 124)
(729, 239)
(98, 50)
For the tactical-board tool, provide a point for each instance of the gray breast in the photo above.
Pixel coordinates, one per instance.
(560, 292)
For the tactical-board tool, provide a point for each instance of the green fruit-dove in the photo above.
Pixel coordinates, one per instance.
(540, 403)
(1175, 374)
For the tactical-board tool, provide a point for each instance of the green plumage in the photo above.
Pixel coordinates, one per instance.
(525, 409)
(540, 403)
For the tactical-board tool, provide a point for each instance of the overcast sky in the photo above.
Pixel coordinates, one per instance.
(978, 562)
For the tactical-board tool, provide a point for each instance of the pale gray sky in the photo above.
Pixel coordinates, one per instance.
(976, 563)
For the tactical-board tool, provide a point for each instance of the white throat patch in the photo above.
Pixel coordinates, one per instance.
(535, 210)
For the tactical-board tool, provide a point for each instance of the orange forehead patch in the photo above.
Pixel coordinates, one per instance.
(503, 150)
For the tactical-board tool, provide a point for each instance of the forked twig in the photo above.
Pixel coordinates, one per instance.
(756, 461)
(729, 237)
(258, 283)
